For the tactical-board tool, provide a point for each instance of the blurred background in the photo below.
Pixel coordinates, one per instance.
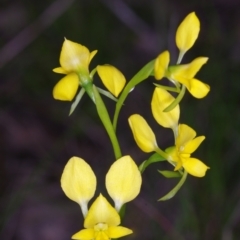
(37, 136)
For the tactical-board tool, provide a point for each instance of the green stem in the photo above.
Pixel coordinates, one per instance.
(104, 116)
(137, 78)
(161, 153)
(175, 189)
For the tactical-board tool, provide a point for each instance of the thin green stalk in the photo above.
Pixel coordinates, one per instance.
(137, 78)
(104, 116)
(161, 153)
(175, 189)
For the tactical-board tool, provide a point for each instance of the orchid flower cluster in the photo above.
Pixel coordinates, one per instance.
(123, 180)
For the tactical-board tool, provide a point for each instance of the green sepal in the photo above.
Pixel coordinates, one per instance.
(172, 89)
(76, 101)
(170, 174)
(153, 159)
(107, 94)
(143, 74)
(175, 189)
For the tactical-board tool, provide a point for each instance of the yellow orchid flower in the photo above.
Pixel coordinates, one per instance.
(185, 144)
(101, 222)
(74, 60)
(160, 100)
(183, 74)
(187, 32)
(112, 78)
(123, 182)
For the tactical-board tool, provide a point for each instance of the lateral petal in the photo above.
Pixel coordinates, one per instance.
(162, 99)
(92, 54)
(112, 78)
(198, 89)
(188, 70)
(86, 234)
(123, 181)
(66, 88)
(78, 182)
(60, 70)
(195, 167)
(142, 133)
(117, 232)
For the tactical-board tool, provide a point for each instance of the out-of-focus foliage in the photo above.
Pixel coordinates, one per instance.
(37, 137)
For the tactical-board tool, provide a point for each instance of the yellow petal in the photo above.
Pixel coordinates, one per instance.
(162, 99)
(142, 133)
(195, 167)
(188, 70)
(101, 212)
(161, 65)
(87, 234)
(78, 182)
(198, 89)
(185, 135)
(92, 54)
(172, 152)
(192, 145)
(123, 181)
(66, 88)
(112, 78)
(60, 70)
(183, 80)
(117, 232)
(74, 57)
(187, 32)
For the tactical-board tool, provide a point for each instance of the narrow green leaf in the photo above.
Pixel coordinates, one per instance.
(170, 174)
(76, 101)
(172, 89)
(107, 94)
(152, 159)
(175, 189)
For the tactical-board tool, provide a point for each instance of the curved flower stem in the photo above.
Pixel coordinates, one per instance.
(176, 101)
(175, 189)
(104, 116)
(161, 153)
(137, 78)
